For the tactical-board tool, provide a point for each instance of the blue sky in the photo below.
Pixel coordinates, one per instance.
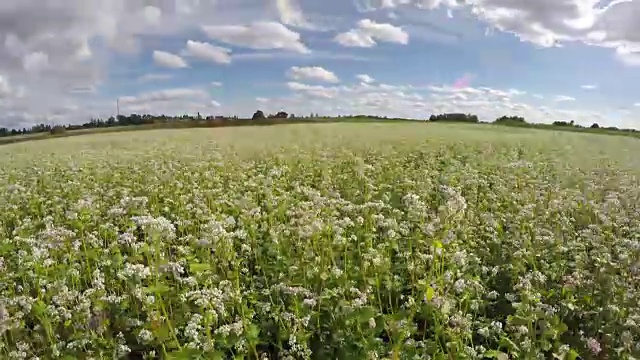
(545, 60)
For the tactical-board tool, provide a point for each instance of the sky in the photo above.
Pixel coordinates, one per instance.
(66, 61)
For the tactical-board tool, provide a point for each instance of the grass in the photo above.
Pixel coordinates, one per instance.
(187, 124)
(348, 241)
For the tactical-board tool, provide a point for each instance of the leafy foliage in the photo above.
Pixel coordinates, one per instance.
(454, 118)
(258, 115)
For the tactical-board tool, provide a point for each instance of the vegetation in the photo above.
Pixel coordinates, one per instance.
(43, 131)
(465, 118)
(441, 242)
(565, 126)
(510, 120)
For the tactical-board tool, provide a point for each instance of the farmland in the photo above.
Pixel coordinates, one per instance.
(348, 241)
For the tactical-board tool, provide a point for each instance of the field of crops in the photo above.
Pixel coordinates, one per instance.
(336, 241)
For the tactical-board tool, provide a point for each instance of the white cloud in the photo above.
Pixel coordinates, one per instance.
(561, 98)
(35, 62)
(547, 23)
(628, 58)
(290, 13)
(369, 32)
(408, 101)
(154, 77)
(208, 52)
(83, 90)
(354, 38)
(314, 90)
(365, 78)
(316, 73)
(175, 101)
(169, 60)
(164, 95)
(589, 87)
(216, 84)
(258, 35)
(262, 100)
(5, 88)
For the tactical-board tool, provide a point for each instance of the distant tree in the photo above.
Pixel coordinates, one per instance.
(57, 130)
(258, 115)
(281, 115)
(510, 120)
(595, 126)
(456, 117)
(292, 116)
(564, 123)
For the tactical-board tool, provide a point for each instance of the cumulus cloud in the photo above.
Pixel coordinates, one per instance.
(5, 88)
(35, 62)
(164, 95)
(316, 73)
(257, 35)
(169, 60)
(208, 52)
(368, 33)
(548, 23)
(589, 87)
(313, 90)
(290, 13)
(216, 84)
(561, 98)
(420, 101)
(170, 101)
(463, 81)
(365, 78)
(154, 77)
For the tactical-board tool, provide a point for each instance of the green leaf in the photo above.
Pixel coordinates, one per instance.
(518, 320)
(437, 244)
(572, 355)
(39, 309)
(218, 355)
(495, 354)
(430, 293)
(157, 289)
(507, 343)
(184, 354)
(197, 267)
(252, 333)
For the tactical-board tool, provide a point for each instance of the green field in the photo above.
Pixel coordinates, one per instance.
(326, 241)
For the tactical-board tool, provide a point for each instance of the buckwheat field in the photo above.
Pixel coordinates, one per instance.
(334, 241)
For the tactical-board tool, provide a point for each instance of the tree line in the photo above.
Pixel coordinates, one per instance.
(259, 115)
